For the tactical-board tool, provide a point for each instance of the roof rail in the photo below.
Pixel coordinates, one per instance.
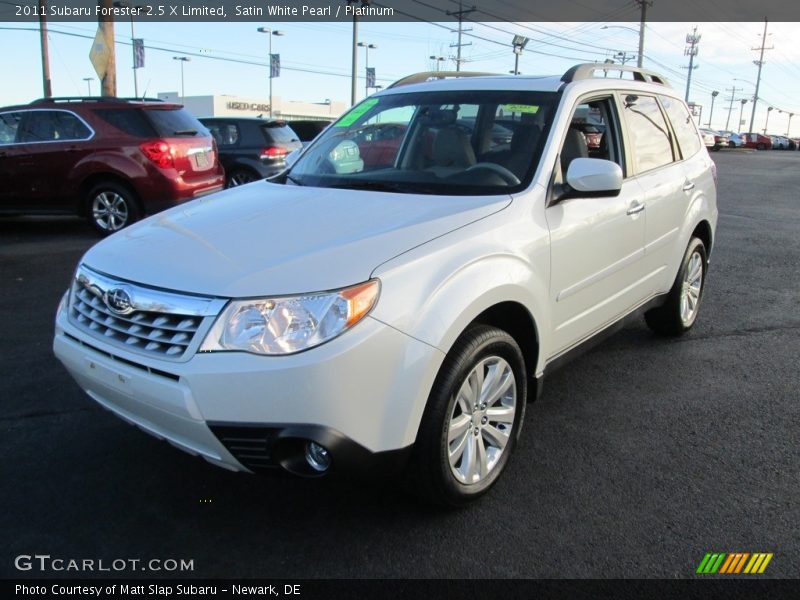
(588, 70)
(111, 99)
(427, 75)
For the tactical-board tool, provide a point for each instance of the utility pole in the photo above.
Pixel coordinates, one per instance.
(692, 41)
(733, 91)
(789, 126)
(643, 4)
(759, 63)
(460, 14)
(108, 84)
(47, 86)
(354, 68)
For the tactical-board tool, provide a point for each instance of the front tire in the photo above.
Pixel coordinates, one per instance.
(678, 314)
(111, 206)
(472, 420)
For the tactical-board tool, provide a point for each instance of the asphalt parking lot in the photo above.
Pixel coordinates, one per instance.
(640, 457)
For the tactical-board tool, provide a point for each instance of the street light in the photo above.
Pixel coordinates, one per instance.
(270, 33)
(438, 59)
(741, 113)
(133, 8)
(367, 47)
(766, 123)
(182, 59)
(519, 42)
(714, 95)
(640, 33)
(89, 81)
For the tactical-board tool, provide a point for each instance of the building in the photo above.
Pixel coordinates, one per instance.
(237, 106)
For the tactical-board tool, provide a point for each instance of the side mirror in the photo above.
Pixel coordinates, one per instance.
(594, 176)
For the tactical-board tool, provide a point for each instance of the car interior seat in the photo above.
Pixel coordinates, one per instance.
(451, 151)
(574, 147)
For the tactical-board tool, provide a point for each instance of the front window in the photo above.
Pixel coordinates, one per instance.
(456, 142)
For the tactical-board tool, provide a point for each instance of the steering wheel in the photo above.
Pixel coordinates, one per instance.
(506, 175)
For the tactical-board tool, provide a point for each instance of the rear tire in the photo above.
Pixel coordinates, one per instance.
(472, 420)
(112, 206)
(678, 314)
(239, 177)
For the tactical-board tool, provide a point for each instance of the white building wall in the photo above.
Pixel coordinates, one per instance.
(238, 106)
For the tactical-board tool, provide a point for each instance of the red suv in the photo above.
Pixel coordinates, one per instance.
(110, 159)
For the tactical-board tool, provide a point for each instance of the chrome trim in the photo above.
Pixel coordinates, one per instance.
(148, 299)
(76, 115)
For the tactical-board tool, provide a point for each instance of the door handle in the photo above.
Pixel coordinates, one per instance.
(635, 207)
(688, 186)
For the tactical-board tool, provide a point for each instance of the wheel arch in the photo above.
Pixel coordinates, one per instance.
(703, 231)
(84, 205)
(516, 320)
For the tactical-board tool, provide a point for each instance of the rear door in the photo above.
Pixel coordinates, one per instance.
(194, 156)
(9, 154)
(659, 172)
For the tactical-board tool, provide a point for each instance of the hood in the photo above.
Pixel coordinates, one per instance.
(270, 239)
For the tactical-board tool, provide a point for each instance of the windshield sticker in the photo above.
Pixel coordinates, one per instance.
(521, 108)
(355, 114)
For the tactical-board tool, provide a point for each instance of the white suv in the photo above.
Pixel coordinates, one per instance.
(396, 297)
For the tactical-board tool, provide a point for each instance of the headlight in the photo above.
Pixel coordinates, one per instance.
(291, 323)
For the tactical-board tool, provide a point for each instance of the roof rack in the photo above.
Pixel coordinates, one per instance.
(588, 70)
(110, 99)
(427, 75)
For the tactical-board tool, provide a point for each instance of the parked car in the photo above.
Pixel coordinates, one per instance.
(399, 319)
(734, 139)
(251, 148)
(795, 144)
(709, 138)
(721, 140)
(308, 129)
(112, 160)
(757, 141)
(779, 142)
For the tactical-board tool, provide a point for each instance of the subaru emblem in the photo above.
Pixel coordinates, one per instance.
(118, 301)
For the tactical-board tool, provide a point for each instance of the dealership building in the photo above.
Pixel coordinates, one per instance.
(238, 106)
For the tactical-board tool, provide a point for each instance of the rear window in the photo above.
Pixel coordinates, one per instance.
(176, 121)
(131, 122)
(308, 130)
(279, 134)
(225, 134)
(9, 123)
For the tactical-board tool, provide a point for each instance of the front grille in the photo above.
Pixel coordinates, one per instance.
(251, 446)
(151, 322)
(152, 332)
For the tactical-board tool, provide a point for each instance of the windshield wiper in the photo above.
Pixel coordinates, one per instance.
(294, 180)
(185, 132)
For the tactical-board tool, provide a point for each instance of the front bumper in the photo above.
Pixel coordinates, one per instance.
(360, 395)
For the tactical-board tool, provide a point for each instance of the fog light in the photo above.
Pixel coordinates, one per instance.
(318, 457)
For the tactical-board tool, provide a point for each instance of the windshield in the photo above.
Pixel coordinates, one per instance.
(455, 142)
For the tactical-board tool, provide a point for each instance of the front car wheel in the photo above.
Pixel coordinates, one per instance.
(472, 420)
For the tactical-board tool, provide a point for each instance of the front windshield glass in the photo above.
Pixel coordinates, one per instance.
(455, 142)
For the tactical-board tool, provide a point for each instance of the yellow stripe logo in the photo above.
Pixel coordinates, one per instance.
(734, 563)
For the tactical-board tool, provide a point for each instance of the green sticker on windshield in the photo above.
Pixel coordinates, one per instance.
(357, 112)
(521, 108)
